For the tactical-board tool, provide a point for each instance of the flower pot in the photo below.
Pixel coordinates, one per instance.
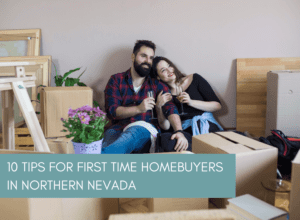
(92, 148)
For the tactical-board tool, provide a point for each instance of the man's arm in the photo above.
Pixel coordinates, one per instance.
(126, 112)
(174, 119)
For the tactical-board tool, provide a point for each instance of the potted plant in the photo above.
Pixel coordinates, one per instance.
(86, 125)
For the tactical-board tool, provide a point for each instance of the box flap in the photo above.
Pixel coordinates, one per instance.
(209, 144)
(256, 145)
(256, 207)
(235, 148)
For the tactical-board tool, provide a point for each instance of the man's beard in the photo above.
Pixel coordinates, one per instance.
(143, 72)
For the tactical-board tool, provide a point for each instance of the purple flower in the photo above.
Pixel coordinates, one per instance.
(61, 119)
(85, 108)
(84, 118)
(98, 112)
(71, 113)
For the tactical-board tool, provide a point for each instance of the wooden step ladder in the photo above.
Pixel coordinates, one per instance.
(16, 86)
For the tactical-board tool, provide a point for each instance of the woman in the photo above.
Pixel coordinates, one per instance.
(197, 98)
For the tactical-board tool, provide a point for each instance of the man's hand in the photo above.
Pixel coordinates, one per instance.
(147, 104)
(162, 99)
(182, 143)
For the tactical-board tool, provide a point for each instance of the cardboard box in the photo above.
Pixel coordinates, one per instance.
(57, 208)
(255, 161)
(178, 215)
(61, 145)
(55, 103)
(295, 191)
(249, 207)
(176, 204)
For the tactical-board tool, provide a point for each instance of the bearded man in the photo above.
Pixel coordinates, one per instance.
(128, 106)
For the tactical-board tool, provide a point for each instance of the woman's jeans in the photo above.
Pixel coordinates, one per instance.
(134, 139)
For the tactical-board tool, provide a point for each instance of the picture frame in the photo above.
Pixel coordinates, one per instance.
(32, 36)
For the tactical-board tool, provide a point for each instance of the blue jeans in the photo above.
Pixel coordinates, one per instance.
(118, 142)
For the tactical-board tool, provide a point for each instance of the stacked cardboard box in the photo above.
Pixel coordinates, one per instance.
(55, 103)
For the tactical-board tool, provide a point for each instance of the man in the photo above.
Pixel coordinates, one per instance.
(126, 101)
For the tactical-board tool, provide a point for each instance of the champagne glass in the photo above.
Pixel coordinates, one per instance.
(179, 91)
(150, 94)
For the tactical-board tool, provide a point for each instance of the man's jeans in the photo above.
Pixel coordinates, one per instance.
(119, 142)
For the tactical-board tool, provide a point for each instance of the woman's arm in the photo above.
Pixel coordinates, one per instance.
(207, 106)
(210, 103)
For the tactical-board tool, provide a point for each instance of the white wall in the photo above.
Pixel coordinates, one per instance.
(198, 35)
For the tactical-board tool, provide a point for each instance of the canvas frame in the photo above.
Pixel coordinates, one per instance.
(41, 69)
(32, 36)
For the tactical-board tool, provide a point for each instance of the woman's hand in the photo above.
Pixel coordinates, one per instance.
(185, 98)
(162, 99)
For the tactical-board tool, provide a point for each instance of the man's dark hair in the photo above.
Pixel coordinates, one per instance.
(140, 43)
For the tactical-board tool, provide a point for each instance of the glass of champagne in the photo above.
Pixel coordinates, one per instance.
(179, 91)
(150, 94)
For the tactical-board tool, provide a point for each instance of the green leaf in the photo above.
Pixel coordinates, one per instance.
(55, 69)
(58, 80)
(68, 73)
(81, 84)
(96, 104)
(71, 81)
(82, 73)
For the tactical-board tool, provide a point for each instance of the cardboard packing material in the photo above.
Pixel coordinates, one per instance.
(57, 208)
(55, 103)
(249, 207)
(295, 190)
(255, 161)
(61, 145)
(176, 204)
(178, 215)
(132, 205)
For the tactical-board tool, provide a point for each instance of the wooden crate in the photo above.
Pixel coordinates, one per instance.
(23, 140)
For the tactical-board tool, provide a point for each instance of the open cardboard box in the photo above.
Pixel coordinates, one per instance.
(57, 208)
(295, 191)
(178, 215)
(163, 204)
(255, 161)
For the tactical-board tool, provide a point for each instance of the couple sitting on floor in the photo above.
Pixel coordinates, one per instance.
(131, 108)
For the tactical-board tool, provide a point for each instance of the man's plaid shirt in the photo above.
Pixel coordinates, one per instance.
(119, 92)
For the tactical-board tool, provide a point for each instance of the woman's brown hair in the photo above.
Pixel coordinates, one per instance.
(179, 75)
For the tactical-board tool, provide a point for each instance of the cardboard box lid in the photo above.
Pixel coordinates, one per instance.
(255, 145)
(220, 144)
(254, 206)
(212, 214)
